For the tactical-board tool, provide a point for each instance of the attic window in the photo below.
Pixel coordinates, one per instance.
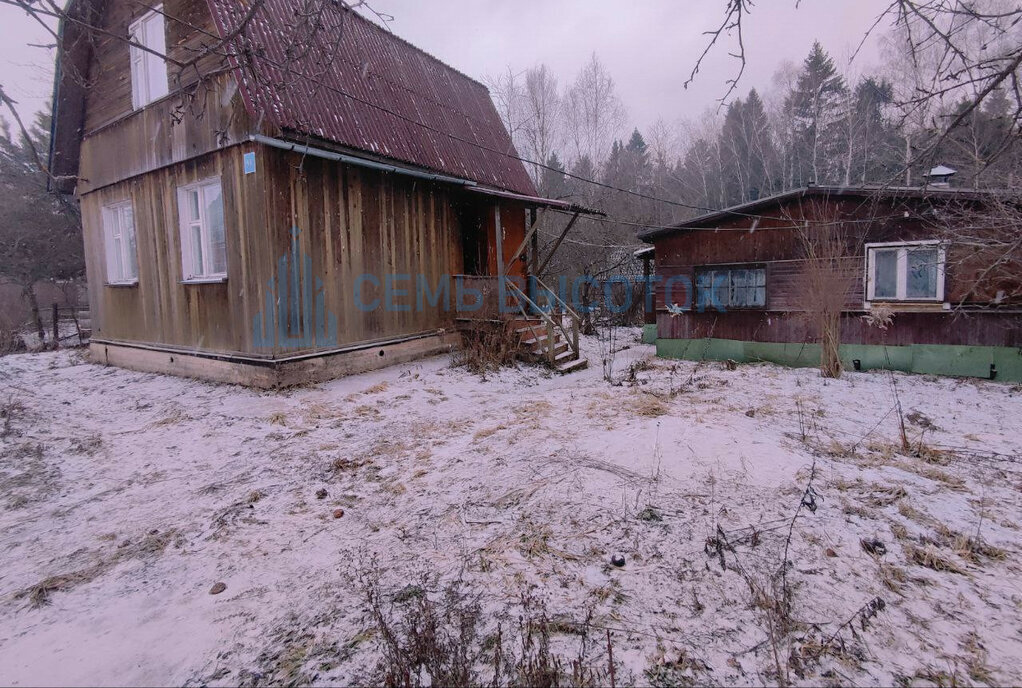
(905, 271)
(148, 67)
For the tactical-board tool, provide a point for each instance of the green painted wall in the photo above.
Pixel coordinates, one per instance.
(936, 359)
(649, 334)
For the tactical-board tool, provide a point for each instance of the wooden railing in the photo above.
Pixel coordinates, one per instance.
(544, 304)
(556, 305)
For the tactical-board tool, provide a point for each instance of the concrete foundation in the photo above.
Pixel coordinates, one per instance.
(270, 373)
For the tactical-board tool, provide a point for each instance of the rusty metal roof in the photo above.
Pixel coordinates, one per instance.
(336, 76)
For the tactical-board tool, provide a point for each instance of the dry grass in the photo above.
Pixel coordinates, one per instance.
(148, 545)
(489, 348)
(648, 405)
(976, 551)
(278, 418)
(930, 557)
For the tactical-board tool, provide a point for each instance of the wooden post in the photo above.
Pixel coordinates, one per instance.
(533, 262)
(557, 244)
(498, 231)
(56, 326)
(550, 341)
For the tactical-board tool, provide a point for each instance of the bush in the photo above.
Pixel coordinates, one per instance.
(489, 347)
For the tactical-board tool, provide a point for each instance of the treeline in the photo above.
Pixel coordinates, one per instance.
(815, 125)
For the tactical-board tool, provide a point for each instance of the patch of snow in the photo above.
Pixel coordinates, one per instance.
(126, 496)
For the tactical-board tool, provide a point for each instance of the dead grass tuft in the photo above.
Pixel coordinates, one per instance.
(976, 551)
(648, 405)
(930, 557)
(913, 514)
(488, 348)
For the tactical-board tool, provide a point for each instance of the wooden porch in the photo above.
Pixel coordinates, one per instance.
(547, 328)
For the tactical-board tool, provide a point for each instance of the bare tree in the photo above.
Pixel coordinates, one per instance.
(542, 127)
(594, 113)
(828, 273)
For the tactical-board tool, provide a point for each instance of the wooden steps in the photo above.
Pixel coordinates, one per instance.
(548, 345)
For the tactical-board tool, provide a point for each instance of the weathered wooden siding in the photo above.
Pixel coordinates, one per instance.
(195, 119)
(161, 310)
(967, 329)
(190, 30)
(774, 244)
(353, 221)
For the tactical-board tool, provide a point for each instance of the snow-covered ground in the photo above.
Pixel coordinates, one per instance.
(125, 497)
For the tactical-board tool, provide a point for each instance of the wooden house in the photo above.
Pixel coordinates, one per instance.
(279, 191)
(748, 283)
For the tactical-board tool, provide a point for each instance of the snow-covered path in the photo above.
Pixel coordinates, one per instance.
(124, 497)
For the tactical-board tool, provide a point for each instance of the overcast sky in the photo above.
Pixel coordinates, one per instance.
(649, 46)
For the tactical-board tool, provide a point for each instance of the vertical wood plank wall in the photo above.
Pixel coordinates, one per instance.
(160, 309)
(352, 221)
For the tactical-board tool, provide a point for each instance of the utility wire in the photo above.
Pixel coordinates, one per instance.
(318, 81)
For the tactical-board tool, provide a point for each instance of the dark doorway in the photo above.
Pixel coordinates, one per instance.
(474, 241)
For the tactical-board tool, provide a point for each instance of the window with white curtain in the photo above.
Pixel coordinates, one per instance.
(911, 271)
(148, 67)
(203, 240)
(119, 237)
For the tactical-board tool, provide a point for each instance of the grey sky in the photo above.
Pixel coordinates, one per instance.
(649, 46)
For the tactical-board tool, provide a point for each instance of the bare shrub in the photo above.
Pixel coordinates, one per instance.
(489, 347)
(10, 341)
(827, 276)
(430, 636)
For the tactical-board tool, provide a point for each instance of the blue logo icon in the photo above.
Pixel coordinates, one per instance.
(294, 316)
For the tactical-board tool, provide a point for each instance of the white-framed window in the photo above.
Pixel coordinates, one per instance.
(203, 240)
(121, 251)
(148, 67)
(910, 271)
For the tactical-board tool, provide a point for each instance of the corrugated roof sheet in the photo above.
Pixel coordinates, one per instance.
(339, 77)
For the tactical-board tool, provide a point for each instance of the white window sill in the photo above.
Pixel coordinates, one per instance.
(205, 280)
(909, 305)
(127, 283)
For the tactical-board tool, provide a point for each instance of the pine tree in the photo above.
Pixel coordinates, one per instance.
(40, 233)
(552, 182)
(747, 151)
(813, 109)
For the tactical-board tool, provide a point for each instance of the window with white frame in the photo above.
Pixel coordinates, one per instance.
(203, 241)
(905, 271)
(119, 236)
(148, 66)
